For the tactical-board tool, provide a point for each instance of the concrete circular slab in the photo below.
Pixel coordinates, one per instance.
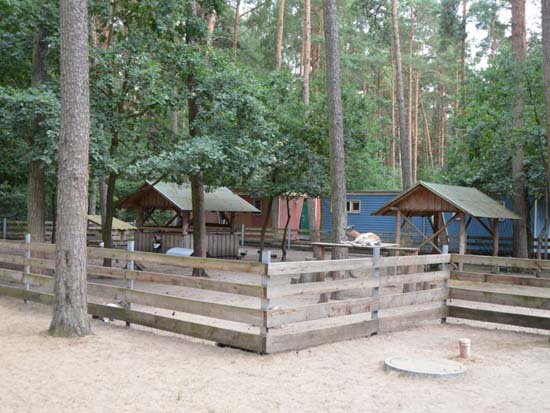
(425, 367)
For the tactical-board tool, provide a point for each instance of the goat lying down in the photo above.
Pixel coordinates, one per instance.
(367, 239)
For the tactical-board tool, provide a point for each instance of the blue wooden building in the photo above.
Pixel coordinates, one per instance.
(362, 204)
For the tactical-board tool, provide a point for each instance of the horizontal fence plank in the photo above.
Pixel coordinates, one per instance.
(22, 246)
(493, 297)
(148, 257)
(283, 316)
(247, 341)
(503, 278)
(432, 276)
(298, 341)
(320, 287)
(169, 302)
(189, 262)
(210, 284)
(411, 319)
(502, 261)
(413, 298)
(521, 320)
(301, 267)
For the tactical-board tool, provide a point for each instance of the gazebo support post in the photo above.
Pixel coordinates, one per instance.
(495, 225)
(398, 227)
(462, 238)
(139, 220)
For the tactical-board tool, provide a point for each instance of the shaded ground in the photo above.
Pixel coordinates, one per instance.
(137, 370)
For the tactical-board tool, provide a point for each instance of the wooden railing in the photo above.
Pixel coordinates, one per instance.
(501, 290)
(248, 305)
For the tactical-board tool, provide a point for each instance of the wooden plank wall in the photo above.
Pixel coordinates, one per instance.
(521, 285)
(297, 318)
(248, 313)
(284, 315)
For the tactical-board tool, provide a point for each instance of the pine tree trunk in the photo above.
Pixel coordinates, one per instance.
(285, 231)
(280, 30)
(36, 190)
(92, 200)
(199, 221)
(406, 170)
(264, 226)
(336, 134)
(70, 313)
(410, 94)
(546, 53)
(519, 204)
(236, 29)
(415, 123)
(427, 137)
(210, 28)
(306, 41)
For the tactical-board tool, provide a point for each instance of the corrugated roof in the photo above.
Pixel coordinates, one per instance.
(467, 199)
(118, 224)
(219, 199)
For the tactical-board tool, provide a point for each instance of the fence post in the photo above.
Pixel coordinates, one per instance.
(5, 228)
(242, 236)
(445, 267)
(265, 304)
(376, 276)
(288, 238)
(27, 267)
(130, 282)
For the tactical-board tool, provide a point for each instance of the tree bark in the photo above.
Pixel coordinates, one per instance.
(92, 200)
(285, 232)
(546, 54)
(70, 313)
(519, 204)
(199, 221)
(306, 39)
(280, 31)
(264, 226)
(210, 28)
(36, 190)
(336, 133)
(406, 169)
(236, 29)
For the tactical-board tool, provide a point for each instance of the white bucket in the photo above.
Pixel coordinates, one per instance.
(465, 345)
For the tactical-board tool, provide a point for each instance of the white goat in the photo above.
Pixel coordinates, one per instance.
(367, 239)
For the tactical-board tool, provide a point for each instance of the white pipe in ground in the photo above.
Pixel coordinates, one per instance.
(465, 345)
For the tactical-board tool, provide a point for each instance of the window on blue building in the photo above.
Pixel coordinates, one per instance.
(353, 207)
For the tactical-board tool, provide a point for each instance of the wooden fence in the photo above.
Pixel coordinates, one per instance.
(501, 290)
(261, 307)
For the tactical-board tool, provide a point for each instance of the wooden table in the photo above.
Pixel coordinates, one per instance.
(391, 249)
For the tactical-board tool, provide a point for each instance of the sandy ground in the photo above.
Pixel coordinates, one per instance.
(123, 369)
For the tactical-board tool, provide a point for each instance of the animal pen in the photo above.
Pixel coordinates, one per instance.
(274, 307)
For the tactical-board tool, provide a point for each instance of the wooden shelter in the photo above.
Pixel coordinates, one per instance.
(122, 232)
(221, 205)
(433, 200)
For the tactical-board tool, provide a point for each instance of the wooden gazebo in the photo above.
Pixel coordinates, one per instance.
(221, 205)
(433, 200)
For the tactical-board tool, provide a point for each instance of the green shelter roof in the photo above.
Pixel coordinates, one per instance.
(218, 199)
(466, 199)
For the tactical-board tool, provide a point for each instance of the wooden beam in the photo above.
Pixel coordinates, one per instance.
(484, 225)
(494, 297)
(247, 341)
(502, 261)
(514, 279)
(314, 337)
(462, 238)
(520, 320)
(398, 227)
(411, 223)
(495, 223)
(455, 216)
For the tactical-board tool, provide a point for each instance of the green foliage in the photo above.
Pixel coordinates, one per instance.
(483, 160)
